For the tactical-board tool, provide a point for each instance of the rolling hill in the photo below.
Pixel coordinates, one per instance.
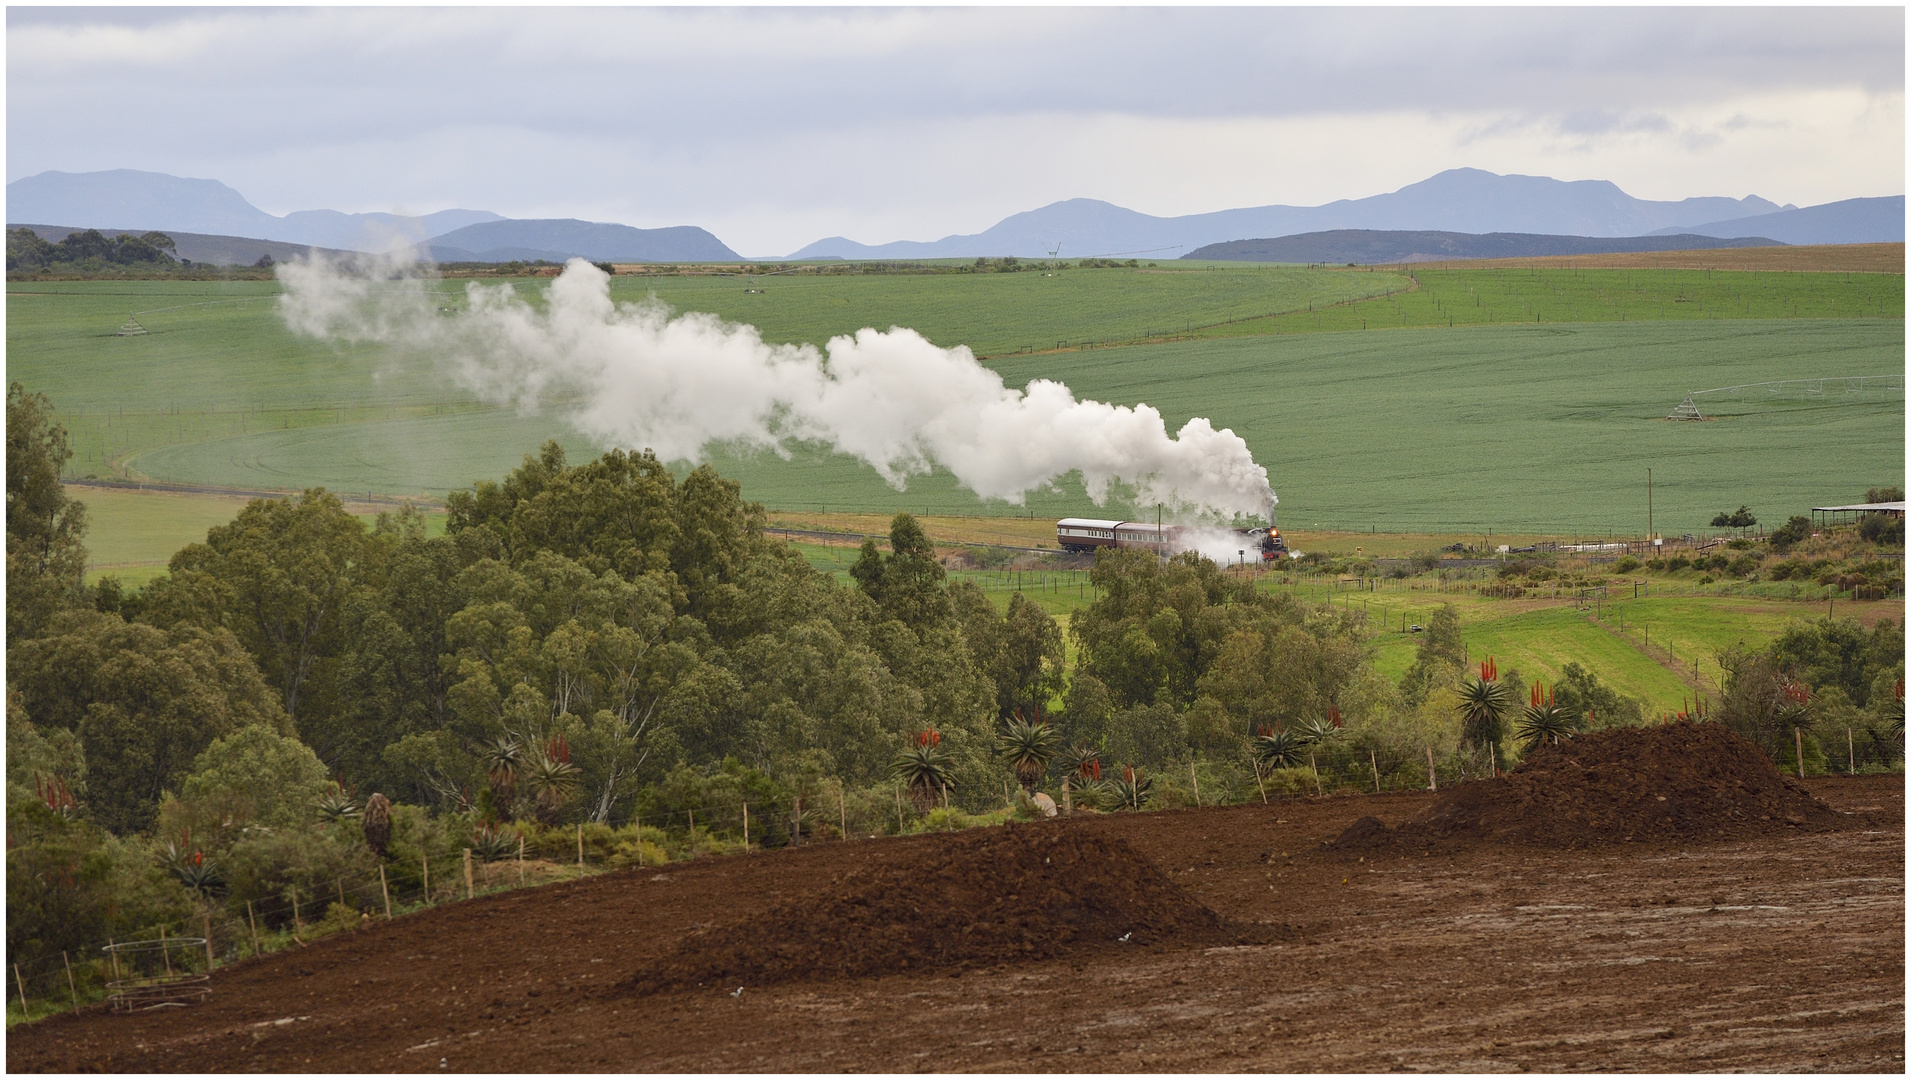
(1371, 246)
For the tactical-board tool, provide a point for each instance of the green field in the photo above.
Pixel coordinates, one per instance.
(1493, 429)
(1031, 311)
(1536, 296)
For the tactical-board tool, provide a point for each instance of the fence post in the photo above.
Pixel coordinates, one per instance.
(692, 835)
(580, 846)
(1433, 781)
(22, 984)
(520, 860)
(1851, 748)
(1798, 737)
(746, 827)
(424, 861)
(114, 953)
(469, 891)
(384, 889)
(71, 987)
(1375, 762)
(208, 924)
(842, 808)
(1197, 785)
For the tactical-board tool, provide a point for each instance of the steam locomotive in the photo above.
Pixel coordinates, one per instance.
(1083, 535)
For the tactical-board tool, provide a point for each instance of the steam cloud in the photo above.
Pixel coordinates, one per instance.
(677, 384)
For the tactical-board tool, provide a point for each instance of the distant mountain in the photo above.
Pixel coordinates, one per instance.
(558, 239)
(1458, 200)
(200, 248)
(1850, 221)
(129, 199)
(1369, 246)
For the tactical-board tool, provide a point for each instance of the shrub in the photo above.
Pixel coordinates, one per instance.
(1742, 565)
(1795, 531)
(1626, 565)
(1677, 563)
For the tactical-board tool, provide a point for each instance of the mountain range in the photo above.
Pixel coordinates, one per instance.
(1457, 201)
(1373, 246)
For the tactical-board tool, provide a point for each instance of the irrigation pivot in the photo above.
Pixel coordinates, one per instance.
(1867, 387)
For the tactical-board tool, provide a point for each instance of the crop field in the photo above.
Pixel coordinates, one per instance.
(1780, 949)
(1513, 428)
(1029, 311)
(1536, 295)
(1815, 258)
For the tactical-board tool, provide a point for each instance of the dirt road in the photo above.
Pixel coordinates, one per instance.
(1780, 953)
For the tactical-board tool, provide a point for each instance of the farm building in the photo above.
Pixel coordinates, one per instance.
(1838, 515)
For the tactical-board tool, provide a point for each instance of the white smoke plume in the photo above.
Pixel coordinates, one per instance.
(634, 375)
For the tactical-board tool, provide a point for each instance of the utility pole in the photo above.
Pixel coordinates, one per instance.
(1648, 507)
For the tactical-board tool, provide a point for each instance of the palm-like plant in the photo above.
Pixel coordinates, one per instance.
(491, 844)
(1126, 790)
(503, 760)
(1081, 763)
(1894, 715)
(1544, 722)
(337, 804)
(190, 865)
(924, 769)
(1278, 747)
(1484, 705)
(1320, 729)
(551, 779)
(1028, 748)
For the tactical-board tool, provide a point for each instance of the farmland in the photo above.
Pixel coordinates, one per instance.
(1510, 427)
(1653, 957)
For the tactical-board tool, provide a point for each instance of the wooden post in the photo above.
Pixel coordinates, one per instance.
(1798, 737)
(693, 833)
(1433, 780)
(469, 891)
(1257, 781)
(746, 826)
(341, 891)
(425, 861)
(520, 860)
(842, 810)
(1197, 785)
(639, 819)
(1375, 762)
(166, 951)
(385, 889)
(252, 921)
(1851, 749)
(899, 821)
(22, 984)
(1316, 770)
(796, 820)
(1068, 803)
(71, 986)
(207, 917)
(580, 846)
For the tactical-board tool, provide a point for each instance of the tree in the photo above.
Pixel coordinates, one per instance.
(1484, 705)
(1028, 747)
(925, 769)
(1738, 519)
(907, 584)
(46, 562)
(1441, 656)
(1593, 703)
(1794, 532)
(144, 701)
(278, 777)
(277, 576)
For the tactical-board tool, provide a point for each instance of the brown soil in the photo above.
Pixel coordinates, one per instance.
(985, 897)
(1776, 952)
(1827, 258)
(1673, 782)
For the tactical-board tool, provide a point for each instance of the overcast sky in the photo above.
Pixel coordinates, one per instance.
(776, 127)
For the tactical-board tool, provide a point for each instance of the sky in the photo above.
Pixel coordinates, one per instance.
(775, 127)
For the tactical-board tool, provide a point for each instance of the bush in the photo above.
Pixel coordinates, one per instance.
(1881, 529)
(1796, 530)
(71, 885)
(1742, 566)
(1626, 565)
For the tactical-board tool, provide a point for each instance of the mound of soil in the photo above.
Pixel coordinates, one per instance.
(981, 898)
(1669, 783)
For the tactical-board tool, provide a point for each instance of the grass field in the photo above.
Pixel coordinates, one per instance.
(1031, 311)
(1812, 258)
(1502, 429)
(1540, 296)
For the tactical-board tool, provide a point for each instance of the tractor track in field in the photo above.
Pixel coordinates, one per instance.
(1781, 950)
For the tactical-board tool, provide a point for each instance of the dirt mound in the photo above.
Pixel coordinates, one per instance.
(981, 898)
(1669, 783)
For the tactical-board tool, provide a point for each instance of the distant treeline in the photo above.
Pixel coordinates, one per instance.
(93, 254)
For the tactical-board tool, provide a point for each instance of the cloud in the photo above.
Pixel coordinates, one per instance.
(766, 126)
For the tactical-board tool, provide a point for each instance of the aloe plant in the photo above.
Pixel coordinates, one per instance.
(551, 779)
(503, 758)
(1543, 722)
(1484, 705)
(1028, 748)
(924, 769)
(337, 804)
(1279, 748)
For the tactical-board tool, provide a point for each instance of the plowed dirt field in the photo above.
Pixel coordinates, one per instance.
(1783, 951)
